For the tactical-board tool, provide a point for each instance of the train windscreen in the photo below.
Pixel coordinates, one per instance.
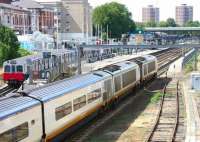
(19, 68)
(7, 68)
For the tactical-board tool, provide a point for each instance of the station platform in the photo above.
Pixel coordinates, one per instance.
(175, 71)
(88, 67)
(193, 119)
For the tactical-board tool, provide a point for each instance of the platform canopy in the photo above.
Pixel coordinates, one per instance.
(167, 29)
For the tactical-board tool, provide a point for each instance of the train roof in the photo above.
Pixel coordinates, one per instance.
(12, 105)
(119, 67)
(149, 57)
(143, 59)
(38, 55)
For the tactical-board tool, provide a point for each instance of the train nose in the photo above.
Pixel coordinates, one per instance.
(13, 76)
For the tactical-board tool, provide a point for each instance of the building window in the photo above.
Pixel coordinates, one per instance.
(16, 134)
(63, 110)
(8, 19)
(79, 102)
(94, 95)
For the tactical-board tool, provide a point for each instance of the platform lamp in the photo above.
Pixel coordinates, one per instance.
(57, 30)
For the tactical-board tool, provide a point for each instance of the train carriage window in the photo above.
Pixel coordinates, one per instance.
(94, 95)
(13, 68)
(16, 134)
(63, 110)
(7, 68)
(79, 102)
(19, 68)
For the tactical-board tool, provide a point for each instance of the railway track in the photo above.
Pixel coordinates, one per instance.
(87, 130)
(6, 90)
(167, 121)
(166, 58)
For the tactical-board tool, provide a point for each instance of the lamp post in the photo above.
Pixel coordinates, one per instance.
(57, 30)
(2, 18)
(24, 23)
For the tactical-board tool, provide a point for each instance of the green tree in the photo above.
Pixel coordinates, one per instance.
(9, 44)
(150, 24)
(23, 52)
(140, 26)
(171, 22)
(192, 24)
(163, 24)
(116, 16)
(3, 52)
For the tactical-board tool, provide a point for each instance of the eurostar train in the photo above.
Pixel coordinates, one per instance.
(52, 112)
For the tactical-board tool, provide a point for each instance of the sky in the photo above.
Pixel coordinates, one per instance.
(167, 7)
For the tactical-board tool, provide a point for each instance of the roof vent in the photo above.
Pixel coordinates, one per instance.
(98, 74)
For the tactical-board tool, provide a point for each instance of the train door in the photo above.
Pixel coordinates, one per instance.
(60, 63)
(108, 90)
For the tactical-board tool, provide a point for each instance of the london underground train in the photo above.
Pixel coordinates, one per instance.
(51, 112)
(45, 65)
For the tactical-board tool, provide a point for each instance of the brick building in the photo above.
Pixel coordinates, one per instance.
(41, 18)
(5, 1)
(14, 17)
(46, 21)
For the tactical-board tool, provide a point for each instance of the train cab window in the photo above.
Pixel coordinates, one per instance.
(19, 68)
(7, 68)
(16, 134)
(79, 102)
(13, 68)
(94, 95)
(63, 110)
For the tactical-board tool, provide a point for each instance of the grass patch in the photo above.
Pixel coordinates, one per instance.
(189, 67)
(156, 97)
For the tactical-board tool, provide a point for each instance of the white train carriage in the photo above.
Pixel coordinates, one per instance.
(65, 103)
(126, 75)
(148, 67)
